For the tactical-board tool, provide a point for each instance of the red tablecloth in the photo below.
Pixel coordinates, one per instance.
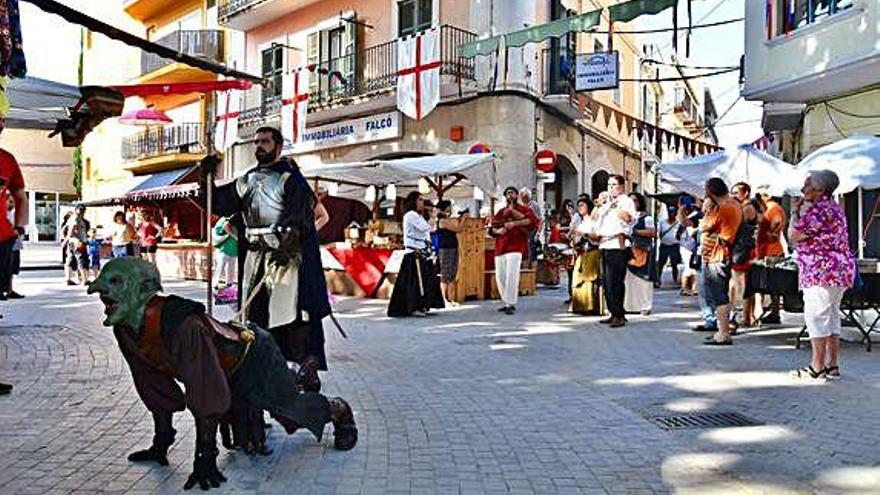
(365, 265)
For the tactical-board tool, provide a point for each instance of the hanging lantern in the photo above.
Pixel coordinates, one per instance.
(391, 192)
(370, 194)
(332, 188)
(478, 194)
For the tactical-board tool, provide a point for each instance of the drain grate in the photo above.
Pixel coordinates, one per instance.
(702, 420)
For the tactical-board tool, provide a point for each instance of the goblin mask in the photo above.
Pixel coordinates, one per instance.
(125, 286)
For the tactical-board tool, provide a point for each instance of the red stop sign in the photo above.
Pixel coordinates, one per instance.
(545, 161)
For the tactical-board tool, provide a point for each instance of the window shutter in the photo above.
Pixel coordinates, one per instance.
(313, 56)
(348, 67)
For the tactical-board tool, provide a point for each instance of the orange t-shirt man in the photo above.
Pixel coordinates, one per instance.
(770, 229)
(721, 224)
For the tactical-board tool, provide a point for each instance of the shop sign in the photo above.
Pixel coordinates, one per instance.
(348, 132)
(597, 71)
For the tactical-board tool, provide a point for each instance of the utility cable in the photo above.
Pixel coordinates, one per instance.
(850, 114)
(682, 78)
(680, 66)
(666, 30)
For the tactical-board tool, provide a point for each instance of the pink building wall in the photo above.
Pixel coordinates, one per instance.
(377, 13)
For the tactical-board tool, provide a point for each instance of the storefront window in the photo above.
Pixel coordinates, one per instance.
(46, 210)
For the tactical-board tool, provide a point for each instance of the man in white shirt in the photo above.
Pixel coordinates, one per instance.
(613, 228)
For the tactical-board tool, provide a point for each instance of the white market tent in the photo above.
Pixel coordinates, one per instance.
(478, 170)
(744, 163)
(855, 160)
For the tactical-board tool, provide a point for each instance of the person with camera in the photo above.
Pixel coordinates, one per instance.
(720, 226)
(448, 228)
(614, 224)
(416, 290)
(586, 275)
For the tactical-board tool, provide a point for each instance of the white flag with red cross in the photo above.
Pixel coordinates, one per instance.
(418, 73)
(226, 122)
(294, 104)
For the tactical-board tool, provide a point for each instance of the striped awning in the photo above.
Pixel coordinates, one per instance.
(534, 34)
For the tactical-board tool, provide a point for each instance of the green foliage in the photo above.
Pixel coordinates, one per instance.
(77, 170)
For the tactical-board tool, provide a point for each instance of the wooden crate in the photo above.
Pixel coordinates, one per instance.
(471, 260)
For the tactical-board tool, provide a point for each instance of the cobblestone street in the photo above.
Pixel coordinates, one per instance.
(466, 401)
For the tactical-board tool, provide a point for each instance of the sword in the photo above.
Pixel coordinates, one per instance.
(338, 326)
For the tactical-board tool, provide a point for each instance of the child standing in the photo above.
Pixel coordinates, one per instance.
(93, 248)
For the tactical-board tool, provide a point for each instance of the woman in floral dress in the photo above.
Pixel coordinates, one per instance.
(826, 269)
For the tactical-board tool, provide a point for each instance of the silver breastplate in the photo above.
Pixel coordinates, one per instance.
(262, 193)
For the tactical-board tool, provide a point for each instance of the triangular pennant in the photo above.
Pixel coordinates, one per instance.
(606, 110)
(640, 131)
(677, 142)
(618, 118)
(594, 109)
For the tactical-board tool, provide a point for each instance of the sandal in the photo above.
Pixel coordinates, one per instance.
(345, 432)
(809, 373)
(832, 373)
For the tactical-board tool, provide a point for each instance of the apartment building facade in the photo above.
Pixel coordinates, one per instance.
(814, 64)
(514, 103)
(119, 158)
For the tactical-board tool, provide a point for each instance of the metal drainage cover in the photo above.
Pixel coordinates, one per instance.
(702, 420)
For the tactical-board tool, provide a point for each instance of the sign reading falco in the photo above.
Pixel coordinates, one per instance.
(347, 132)
(597, 71)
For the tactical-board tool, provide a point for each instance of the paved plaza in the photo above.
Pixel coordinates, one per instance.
(467, 401)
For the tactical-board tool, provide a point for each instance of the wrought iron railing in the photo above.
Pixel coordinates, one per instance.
(157, 141)
(371, 70)
(204, 43)
(229, 8)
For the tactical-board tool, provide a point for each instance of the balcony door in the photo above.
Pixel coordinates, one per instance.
(562, 53)
(333, 49)
(272, 68)
(414, 16)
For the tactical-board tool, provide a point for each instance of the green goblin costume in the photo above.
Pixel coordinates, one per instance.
(228, 371)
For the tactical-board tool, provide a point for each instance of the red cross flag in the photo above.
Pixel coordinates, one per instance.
(418, 73)
(226, 125)
(294, 104)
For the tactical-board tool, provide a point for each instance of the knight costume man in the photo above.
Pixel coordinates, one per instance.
(283, 284)
(223, 368)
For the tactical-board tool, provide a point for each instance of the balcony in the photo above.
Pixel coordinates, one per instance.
(815, 54)
(149, 10)
(245, 15)
(206, 44)
(376, 73)
(162, 148)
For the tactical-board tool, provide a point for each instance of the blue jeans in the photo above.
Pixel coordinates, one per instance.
(707, 310)
(120, 251)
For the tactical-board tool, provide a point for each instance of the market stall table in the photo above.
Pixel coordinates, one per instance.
(366, 265)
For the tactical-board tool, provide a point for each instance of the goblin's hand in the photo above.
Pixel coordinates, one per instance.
(205, 472)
